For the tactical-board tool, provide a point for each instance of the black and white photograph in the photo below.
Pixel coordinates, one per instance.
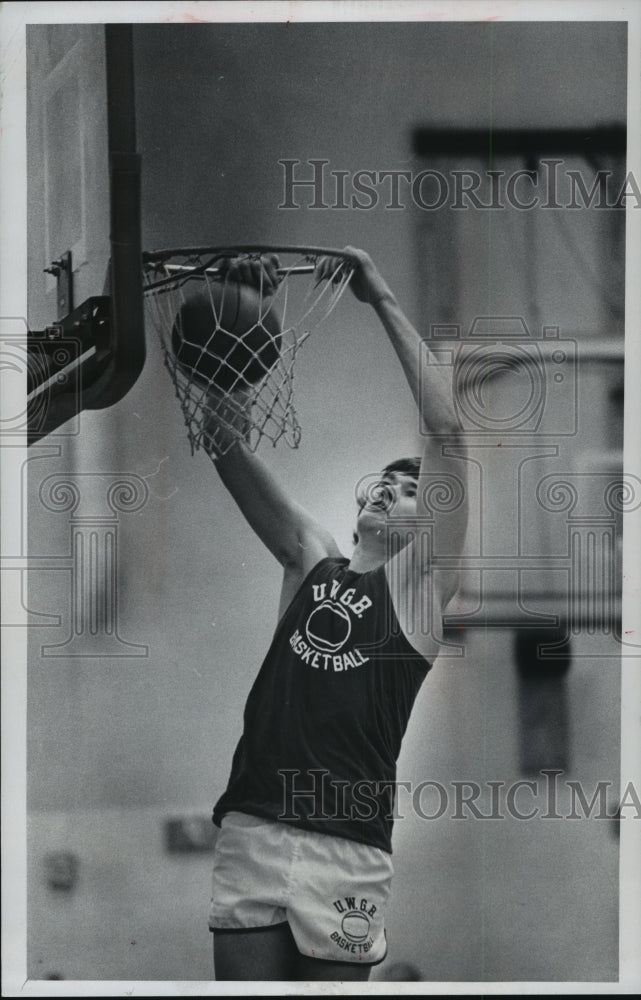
(320, 340)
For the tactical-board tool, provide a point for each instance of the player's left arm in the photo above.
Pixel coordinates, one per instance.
(432, 568)
(429, 381)
(442, 496)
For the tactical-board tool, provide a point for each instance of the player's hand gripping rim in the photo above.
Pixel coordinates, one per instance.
(366, 282)
(259, 272)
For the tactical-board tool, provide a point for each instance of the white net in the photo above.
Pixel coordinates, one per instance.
(231, 347)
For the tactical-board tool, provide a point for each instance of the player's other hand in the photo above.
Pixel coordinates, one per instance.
(366, 282)
(259, 272)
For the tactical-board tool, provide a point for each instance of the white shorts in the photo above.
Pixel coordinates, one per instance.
(331, 891)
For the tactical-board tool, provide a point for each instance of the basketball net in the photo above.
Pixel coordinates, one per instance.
(250, 409)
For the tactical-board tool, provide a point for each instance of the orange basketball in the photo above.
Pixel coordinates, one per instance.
(227, 336)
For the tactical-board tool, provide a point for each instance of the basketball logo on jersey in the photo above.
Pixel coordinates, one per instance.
(328, 629)
(332, 619)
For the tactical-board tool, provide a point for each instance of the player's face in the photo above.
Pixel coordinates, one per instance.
(394, 496)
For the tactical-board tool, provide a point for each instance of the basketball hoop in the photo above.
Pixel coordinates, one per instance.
(231, 349)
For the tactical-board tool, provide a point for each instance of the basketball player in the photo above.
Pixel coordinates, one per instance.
(302, 865)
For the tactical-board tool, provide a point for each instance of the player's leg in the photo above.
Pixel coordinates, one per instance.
(252, 939)
(267, 953)
(317, 970)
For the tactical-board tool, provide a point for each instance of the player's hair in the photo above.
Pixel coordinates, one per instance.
(407, 466)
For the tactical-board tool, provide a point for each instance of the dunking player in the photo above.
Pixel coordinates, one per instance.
(302, 865)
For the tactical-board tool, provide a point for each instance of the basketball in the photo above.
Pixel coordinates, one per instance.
(227, 336)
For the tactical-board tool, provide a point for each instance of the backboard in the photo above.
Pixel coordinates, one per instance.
(86, 342)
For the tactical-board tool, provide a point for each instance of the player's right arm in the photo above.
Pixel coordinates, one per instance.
(290, 533)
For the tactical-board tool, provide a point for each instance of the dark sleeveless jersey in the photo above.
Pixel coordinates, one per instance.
(326, 715)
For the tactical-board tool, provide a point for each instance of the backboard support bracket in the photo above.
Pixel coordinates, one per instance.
(61, 270)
